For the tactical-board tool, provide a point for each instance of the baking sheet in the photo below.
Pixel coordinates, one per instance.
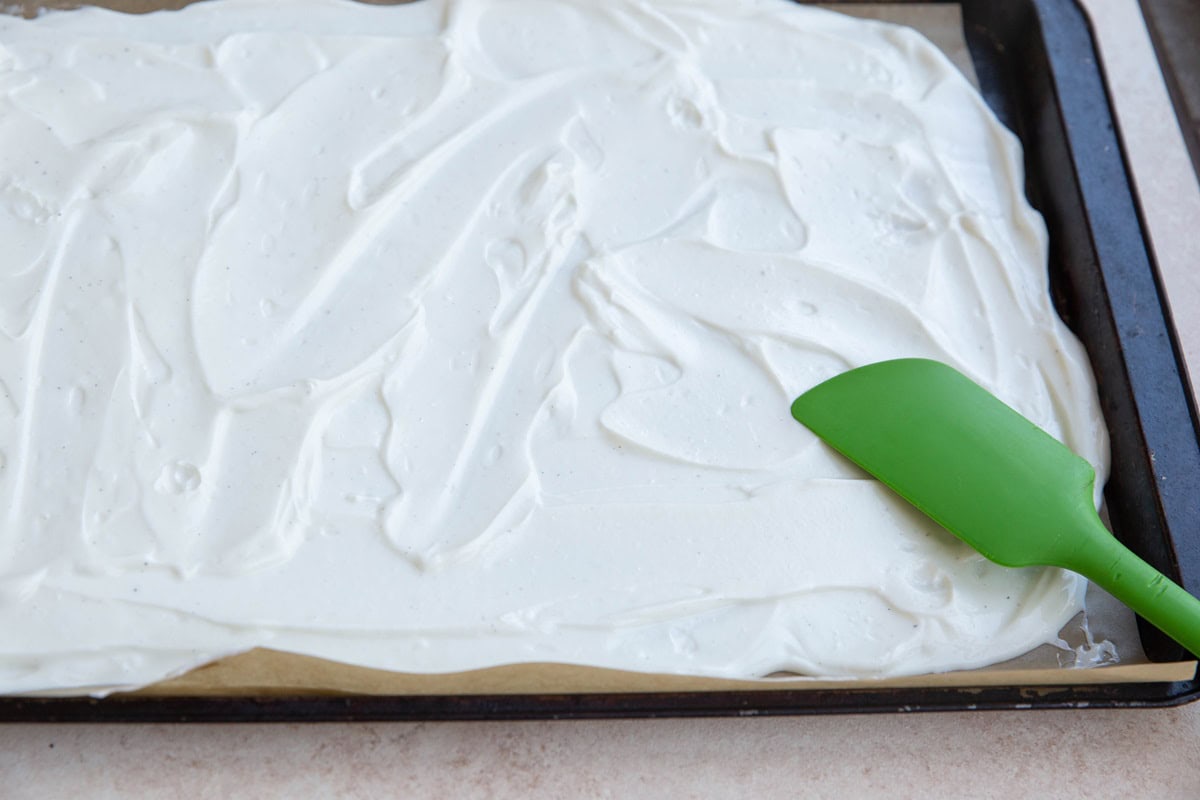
(1108, 634)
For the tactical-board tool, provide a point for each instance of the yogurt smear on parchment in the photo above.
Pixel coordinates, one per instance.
(463, 333)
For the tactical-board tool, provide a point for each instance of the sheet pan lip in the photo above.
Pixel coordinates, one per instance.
(362, 708)
(1075, 46)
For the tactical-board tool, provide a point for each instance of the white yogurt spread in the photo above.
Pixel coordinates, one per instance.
(465, 332)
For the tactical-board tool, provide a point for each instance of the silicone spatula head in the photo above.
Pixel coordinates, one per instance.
(987, 475)
(953, 450)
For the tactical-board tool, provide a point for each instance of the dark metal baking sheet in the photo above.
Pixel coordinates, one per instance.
(1038, 69)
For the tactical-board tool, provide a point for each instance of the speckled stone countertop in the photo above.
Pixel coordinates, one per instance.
(1047, 754)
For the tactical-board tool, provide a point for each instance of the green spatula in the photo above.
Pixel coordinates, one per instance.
(989, 476)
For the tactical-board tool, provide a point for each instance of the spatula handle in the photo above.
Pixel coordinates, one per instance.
(1154, 596)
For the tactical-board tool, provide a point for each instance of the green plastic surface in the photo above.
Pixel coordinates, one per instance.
(989, 476)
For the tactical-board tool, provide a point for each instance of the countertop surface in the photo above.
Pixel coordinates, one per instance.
(1048, 754)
